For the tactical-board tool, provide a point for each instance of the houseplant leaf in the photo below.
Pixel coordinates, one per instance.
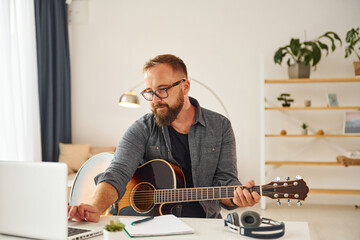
(316, 52)
(324, 47)
(295, 46)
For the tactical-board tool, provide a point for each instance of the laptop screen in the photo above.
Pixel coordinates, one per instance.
(33, 199)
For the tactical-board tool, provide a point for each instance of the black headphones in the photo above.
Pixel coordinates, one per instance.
(251, 221)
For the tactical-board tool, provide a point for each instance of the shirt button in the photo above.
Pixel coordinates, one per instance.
(213, 149)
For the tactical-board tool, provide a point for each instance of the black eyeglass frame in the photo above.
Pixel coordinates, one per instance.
(143, 92)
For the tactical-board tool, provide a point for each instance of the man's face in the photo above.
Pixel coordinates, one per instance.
(167, 109)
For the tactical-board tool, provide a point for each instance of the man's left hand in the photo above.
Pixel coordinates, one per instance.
(243, 198)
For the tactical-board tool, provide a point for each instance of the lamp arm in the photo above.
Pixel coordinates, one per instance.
(137, 85)
(222, 104)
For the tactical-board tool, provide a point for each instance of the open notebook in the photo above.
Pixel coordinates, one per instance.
(159, 226)
(33, 202)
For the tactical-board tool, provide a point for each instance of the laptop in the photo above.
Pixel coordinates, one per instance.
(33, 202)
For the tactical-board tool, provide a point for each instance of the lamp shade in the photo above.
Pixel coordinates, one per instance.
(129, 99)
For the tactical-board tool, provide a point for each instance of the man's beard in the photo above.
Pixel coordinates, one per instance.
(170, 116)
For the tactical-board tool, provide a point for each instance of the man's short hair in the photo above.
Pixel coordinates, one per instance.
(175, 63)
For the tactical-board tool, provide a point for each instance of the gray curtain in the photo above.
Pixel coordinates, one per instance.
(54, 75)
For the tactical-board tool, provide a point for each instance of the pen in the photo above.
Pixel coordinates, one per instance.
(142, 220)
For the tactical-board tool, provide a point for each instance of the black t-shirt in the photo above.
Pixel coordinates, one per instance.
(181, 153)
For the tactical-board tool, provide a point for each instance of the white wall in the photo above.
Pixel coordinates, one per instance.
(222, 43)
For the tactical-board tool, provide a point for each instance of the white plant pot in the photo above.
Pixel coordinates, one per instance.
(304, 132)
(112, 235)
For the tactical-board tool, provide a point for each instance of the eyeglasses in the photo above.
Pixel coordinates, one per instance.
(160, 93)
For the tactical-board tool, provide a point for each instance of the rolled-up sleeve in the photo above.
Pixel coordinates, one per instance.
(127, 157)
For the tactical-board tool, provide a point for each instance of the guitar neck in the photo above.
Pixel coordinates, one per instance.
(197, 194)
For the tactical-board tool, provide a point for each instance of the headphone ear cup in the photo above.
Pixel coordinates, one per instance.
(250, 219)
(235, 219)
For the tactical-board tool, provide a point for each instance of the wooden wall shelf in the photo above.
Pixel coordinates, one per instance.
(313, 108)
(265, 106)
(313, 80)
(334, 191)
(314, 136)
(310, 163)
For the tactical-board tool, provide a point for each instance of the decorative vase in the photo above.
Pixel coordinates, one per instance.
(299, 70)
(307, 103)
(112, 235)
(357, 68)
(320, 132)
(304, 132)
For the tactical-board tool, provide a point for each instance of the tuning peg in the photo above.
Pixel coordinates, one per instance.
(278, 202)
(277, 179)
(299, 203)
(287, 178)
(289, 203)
(297, 177)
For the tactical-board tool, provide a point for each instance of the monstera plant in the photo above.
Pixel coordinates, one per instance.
(304, 55)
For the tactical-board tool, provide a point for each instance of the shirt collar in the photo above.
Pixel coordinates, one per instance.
(199, 118)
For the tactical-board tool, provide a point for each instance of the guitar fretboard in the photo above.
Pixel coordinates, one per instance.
(196, 194)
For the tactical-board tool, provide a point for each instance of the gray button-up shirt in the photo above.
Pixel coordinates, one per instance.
(212, 150)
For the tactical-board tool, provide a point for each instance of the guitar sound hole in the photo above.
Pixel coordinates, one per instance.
(143, 197)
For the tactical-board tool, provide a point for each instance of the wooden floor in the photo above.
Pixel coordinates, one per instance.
(326, 222)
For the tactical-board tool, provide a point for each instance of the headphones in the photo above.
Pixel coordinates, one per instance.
(251, 221)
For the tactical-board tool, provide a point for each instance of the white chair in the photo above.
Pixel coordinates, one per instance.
(84, 185)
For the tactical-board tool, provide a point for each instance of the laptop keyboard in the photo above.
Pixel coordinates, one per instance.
(73, 231)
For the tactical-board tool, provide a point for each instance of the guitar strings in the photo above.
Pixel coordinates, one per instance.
(197, 191)
(144, 196)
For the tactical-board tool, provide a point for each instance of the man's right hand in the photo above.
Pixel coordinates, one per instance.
(83, 212)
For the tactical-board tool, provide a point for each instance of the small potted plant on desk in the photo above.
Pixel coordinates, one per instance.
(353, 39)
(112, 230)
(303, 55)
(285, 97)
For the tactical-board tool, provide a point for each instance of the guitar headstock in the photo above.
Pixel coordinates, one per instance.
(294, 189)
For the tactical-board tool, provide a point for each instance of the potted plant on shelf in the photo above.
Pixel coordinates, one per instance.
(353, 39)
(303, 55)
(286, 98)
(113, 230)
(304, 129)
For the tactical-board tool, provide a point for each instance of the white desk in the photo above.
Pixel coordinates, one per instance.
(205, 229)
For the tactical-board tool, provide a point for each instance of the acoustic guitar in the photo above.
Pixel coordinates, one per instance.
(157, 186)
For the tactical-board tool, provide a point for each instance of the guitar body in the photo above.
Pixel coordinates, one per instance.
(153, 175)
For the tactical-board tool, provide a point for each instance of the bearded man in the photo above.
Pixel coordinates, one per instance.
(198, 141)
